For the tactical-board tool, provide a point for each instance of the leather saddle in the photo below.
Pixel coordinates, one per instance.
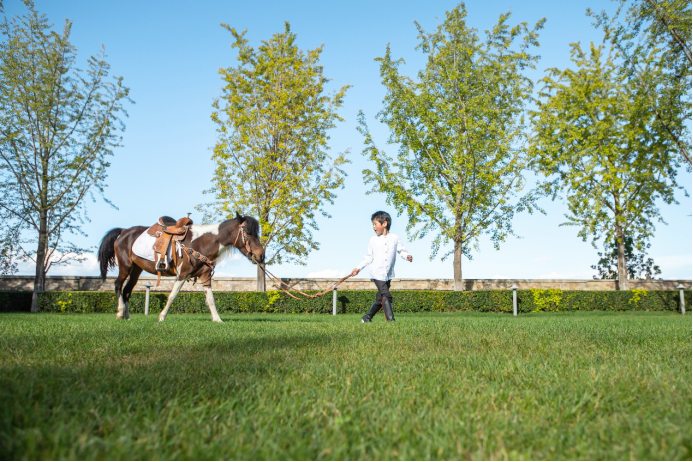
(168, 231)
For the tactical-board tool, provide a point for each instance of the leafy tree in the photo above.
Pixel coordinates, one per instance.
(653, 38)
(58, 125)
(637, 267)
(9, 237)
(461, 130)
(271, 152)
(597, 139)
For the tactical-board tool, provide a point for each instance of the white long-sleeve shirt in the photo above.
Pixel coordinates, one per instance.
(381, 256)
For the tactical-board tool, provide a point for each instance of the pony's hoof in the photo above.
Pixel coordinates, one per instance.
(161, 319)
(218, 320)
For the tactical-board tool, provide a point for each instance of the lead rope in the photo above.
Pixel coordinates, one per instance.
(282, 283)
(241, 232)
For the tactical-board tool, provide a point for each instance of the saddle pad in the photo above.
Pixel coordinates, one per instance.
(143, 247)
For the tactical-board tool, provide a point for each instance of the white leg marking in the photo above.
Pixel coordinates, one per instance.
(121, 307)
(209, 297)
(171, 297)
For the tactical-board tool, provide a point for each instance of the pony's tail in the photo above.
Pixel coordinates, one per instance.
(107, 256)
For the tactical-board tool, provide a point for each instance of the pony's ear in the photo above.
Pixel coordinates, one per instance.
(240, 217)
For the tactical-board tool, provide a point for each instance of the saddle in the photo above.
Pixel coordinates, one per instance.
(167, 232)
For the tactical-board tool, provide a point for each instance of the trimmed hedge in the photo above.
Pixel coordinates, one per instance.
(358, 301)
(15, 301)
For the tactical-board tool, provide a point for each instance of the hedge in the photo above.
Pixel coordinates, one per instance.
(15, 301)
(358, 301)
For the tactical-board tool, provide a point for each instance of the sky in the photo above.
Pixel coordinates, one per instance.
(169, 53)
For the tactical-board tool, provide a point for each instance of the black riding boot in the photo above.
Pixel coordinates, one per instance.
(372, 312)
(387, 309)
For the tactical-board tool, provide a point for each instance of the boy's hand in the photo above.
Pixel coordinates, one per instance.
(354, 272)
(409, 258)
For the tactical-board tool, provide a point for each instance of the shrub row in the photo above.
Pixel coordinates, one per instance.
(15, 301)
(358, 301)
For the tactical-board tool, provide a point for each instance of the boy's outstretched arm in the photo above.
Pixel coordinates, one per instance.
(402, 251)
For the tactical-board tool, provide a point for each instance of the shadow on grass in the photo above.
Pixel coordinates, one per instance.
(136, 379)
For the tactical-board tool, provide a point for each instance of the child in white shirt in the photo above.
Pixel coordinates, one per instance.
(381, 255)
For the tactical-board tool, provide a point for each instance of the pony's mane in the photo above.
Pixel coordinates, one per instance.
(252, 226)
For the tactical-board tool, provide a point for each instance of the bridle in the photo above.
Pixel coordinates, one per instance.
(244, 236)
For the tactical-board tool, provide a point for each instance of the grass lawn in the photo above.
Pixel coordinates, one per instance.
(590, 385)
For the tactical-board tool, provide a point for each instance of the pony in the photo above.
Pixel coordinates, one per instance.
(210, 241)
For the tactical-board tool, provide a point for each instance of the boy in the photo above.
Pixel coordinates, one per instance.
(381, 252)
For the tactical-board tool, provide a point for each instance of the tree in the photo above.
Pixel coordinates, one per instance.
(637, 267)
(271, 153)
(654, 42)
(461, 131)
(58, 126)
(9, 237)
(598, 140)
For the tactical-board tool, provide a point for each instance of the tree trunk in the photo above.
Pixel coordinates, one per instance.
(622, 272)
(457, 264)
(40, 279)
(261, 287)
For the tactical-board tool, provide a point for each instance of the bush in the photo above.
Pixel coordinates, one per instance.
(15, 301)
(357, 301)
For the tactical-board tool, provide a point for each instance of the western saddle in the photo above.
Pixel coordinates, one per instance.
(168, 232)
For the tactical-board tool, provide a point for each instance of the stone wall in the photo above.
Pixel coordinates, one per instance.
(26, 283)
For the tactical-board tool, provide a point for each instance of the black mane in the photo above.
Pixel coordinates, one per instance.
(252, 226)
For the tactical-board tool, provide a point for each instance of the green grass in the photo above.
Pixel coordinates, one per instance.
(431, 386)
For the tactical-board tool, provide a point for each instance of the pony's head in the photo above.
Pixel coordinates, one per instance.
(247, 239)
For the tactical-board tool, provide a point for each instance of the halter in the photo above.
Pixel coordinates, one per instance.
(242, 233)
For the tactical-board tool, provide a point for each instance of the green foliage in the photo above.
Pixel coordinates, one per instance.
(15, 301)
(653, 39)
(637, 267)
(432, 386)
(58, 127)
(271, 151)
(460, 129)
(546, 299)
(638, 294)
(56, 124)
(358, 301)
(596, 139)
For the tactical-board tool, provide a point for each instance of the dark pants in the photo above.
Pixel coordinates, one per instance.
(383, 294)
(383, 291)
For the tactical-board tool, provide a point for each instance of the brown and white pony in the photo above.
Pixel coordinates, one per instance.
(212, 241)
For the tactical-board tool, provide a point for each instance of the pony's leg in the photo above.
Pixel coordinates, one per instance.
(122, 275)
(171, 297)
(127, 291)
(209, 297)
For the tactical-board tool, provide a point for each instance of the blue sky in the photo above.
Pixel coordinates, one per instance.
(169, 53)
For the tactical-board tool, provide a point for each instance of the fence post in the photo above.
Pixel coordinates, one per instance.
(146, 299)
(334, 302)
(683, 303)
(514, 288)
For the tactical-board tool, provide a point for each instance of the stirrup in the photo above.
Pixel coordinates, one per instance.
(161, 264)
